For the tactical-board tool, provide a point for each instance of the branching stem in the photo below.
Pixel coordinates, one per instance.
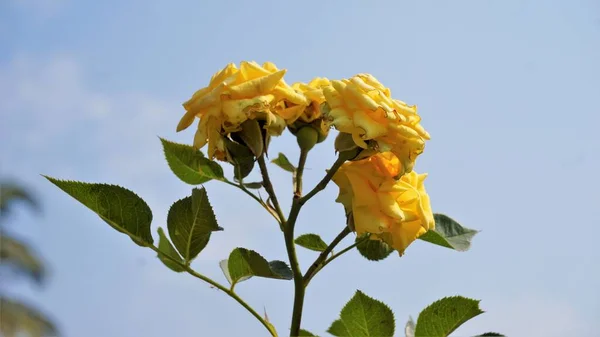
(217, 285)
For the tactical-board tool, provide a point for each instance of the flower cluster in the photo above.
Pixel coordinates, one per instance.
(385, 197)
(378, 187)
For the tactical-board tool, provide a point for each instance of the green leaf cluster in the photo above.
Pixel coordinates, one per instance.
(191, 221)
(364, 316)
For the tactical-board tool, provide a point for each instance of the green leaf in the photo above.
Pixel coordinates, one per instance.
(344, 142)
(119, 207)
(304, 333)
(224, 264)
(449, 233)
(364, 316)
(311, 241)
(491, 334)
(165, 247)
(191, 221)
(189, 164)
(284, 163)
(244, 263)
(373, 250)
(255, 185)
(444, 316)
(240, 157)
(251, 135)
(338, 328)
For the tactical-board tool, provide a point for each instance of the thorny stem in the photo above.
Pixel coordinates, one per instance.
(320, 261)
(217, 285)
(289, 224)
(269, 188)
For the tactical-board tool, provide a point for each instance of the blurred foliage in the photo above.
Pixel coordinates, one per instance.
(16, 256)
(17, 319)
(10, 193)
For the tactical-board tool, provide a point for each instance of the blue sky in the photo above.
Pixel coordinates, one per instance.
(508, 90)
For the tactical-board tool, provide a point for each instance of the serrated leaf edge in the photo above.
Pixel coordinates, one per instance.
(118, 228)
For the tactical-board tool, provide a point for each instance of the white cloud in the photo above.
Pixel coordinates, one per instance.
(49, 108)
(39, 98)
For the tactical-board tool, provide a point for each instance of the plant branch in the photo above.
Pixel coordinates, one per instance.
(269, 188)
(320, 262)
(334, 256)
(298, 202)
(245, 190)
(288, 234)
(298, 280)
(217, 285)
(299, 290)
(253, 196)
(323, 183)
(299, 173)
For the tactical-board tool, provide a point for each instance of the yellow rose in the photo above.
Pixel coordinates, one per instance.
(234, 96)
(311, 109)
(363, 107)
(395, 211)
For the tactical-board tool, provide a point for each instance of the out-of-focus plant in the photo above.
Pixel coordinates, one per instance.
(18, 259)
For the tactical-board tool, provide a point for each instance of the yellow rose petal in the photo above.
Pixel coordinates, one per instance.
(290, 95)
(270, 66)
(364, 193)
(357, 137)
(252, 70)
(371, 127)
(422, 131)
(226, 72)
(389, 206)
(363, 101)
(369, 220)
(186, 121)
(256, 87)
(239, 110)
(212, 97)
(201, 136)
(405, 234)
(291, 113)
